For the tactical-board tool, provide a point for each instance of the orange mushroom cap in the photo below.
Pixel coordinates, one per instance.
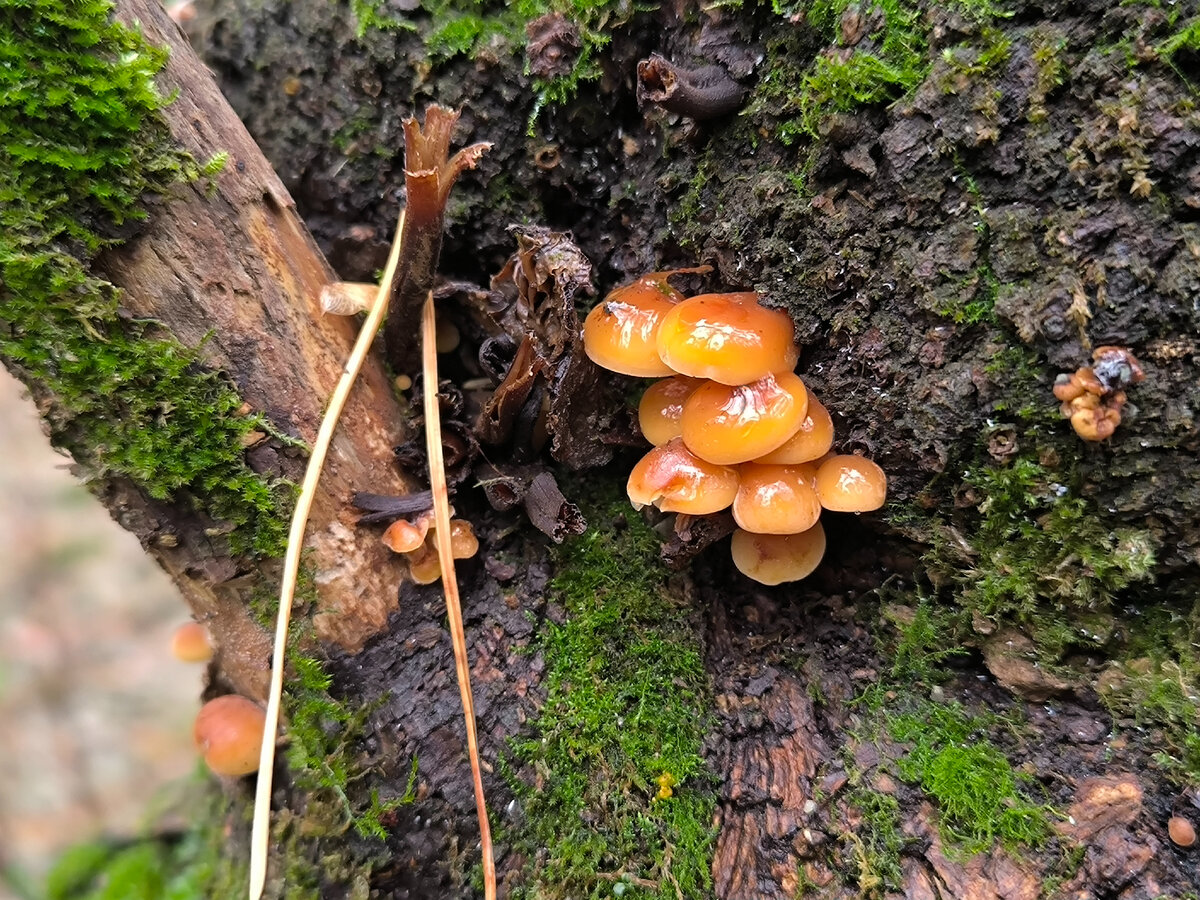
(463, 543)
(1095, 423)
(776, 558)
(812, 441)
(424, 565)
(621, 332)
(851, 484)
(191, 643)
(734, 424)
(776, 499)
(674, 479)
(229, 732)
(403, 536)
(661, 407)
(729, 338)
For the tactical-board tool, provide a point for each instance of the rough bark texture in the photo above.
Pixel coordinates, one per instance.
(943, 258)
(238, 272)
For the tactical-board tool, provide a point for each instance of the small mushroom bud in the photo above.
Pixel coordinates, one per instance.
(229, 733)
(727, 424)
(674, 479)
(191, 643)
(1067, 387)
(463, 543)
(776, 558)
(729, 338)
(851, 484)
(1181, 831)
(662, 406)
(1095, 423)
(621, 332)
(1087, 380)
(403, 536)
(776, 499)
(812, 441)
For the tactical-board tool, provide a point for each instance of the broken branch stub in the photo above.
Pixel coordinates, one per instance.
(429, 174)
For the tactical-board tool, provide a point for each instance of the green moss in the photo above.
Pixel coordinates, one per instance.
(82, 144)
(625, 707)
(323, 733)
(373, 15)
(981, 801)
(1038, 544)
(193, 866)
(875, 845)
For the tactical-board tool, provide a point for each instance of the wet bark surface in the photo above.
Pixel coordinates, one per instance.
(1069, 206)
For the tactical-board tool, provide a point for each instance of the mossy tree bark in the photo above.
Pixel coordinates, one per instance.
(1029, 193)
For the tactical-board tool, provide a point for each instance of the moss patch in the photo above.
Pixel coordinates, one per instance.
(623, 804)
(82, 145)
(190, 866)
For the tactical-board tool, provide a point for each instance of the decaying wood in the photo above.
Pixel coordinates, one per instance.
(238, 272)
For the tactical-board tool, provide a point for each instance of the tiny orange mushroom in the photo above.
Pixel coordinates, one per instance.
(229, 731)
(776, 558)
(191, 643)
(674, 479)
(851, 484)
(776, 499)
(729, 338)
(729, 424)
(812, 441)
(621, 331)
(661, 408)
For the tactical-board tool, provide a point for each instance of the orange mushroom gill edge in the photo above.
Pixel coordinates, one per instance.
(812, 441)
(730, 338)
(228, 732)
(776, 558)
(621, 331)
(851, 484)
(730, 424)
(776, 499)
(674, 479)
(661, 407)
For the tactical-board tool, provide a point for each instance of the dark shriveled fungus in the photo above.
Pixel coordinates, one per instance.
(429, 173)
(703, 93)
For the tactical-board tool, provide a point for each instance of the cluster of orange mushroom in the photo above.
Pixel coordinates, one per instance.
(1093, 396)
(731, 423)
(414, 539)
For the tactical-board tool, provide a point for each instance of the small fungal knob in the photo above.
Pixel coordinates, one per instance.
(1181, 831)
(729, 338)
(674, 479)
(776, 499)
(191, 643)
(851, 484)
(229, 732)
(776, 558)
(729, 424)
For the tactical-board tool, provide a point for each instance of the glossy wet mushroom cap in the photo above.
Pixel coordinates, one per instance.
(851, 484)
(621, 332)
(776, 558)
(730, 338)
(776, 499)
(661, 407)
(229, 732)
(674, 479)
(729, 424)
(812, 441)
(403, 536)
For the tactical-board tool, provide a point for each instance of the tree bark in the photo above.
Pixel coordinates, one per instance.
(943, 257)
